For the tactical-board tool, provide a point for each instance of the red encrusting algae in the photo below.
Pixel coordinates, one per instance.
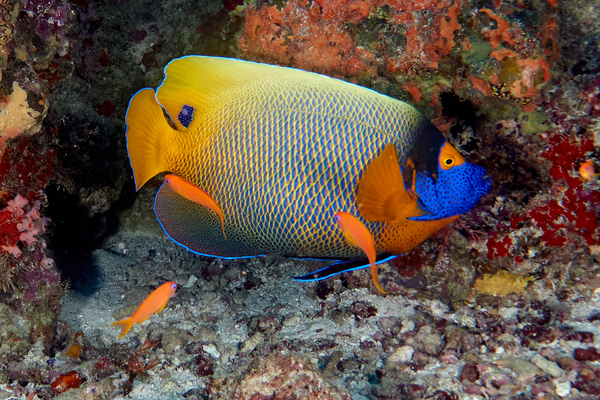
(68, 381)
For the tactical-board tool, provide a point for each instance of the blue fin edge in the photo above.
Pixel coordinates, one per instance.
(337, 268)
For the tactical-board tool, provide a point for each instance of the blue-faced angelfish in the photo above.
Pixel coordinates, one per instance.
(281, 151)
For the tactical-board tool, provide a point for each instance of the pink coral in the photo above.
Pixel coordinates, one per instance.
(17, 225)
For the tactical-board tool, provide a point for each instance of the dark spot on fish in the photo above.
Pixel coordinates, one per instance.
(186, 115)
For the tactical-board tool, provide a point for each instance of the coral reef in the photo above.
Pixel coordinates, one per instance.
(503, 304)
(278, 376)
(16, 118)
(506, 52)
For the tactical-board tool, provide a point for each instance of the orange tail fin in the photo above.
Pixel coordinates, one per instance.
(146, 128)
(125, 325)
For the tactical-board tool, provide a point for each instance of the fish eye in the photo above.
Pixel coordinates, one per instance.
(449, 157)
(174, 286)
(447, 160)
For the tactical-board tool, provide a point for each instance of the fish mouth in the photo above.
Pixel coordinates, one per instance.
(481, 181)
(485, 184)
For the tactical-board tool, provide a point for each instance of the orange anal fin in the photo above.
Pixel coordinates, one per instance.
(163, 306)
(381, 194)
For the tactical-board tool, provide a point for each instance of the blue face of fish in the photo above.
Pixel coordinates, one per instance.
(455, 191)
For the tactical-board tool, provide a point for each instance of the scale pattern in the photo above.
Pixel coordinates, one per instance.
(281, 156)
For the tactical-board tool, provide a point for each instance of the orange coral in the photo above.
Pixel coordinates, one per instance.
(448, 25)
(435, 102)
(503, 53)
(74, 351)
(481, 85)
(501, 33)
(344, 10)
(414, 92)
(427, 41)
(282, 37)
(416, 5)
(525, 87)
(548, 36)
(315, 35)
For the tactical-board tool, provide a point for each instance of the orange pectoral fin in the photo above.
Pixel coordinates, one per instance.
(193, 193)
(349, 240)
(357, 234)
(381, 194)
(375, 276)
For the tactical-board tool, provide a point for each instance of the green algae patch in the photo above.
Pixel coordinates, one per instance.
(534, 122)
(502, 283)
(496, 109)
(479, 52)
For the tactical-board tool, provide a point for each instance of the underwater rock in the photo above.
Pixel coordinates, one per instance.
(285, 377)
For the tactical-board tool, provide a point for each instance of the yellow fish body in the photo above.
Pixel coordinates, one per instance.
(282, 151)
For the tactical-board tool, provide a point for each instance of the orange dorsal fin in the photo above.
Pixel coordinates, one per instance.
(381, 194)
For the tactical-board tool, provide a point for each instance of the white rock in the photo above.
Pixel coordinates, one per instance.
(563, 389)
(212, 350)
(192, 279)
(549, 367)
(401, 355)
(407, 326)
(508, 313)
(438, 308)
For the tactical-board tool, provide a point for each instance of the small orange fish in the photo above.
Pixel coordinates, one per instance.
(357, 234)
(195, 194)
(154, 303)
(586, 170)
